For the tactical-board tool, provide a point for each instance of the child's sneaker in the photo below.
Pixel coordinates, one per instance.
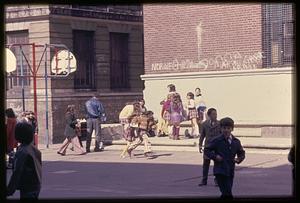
(148, 154)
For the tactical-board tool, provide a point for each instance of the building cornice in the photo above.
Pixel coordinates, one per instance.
(95, 14)
(227, 73)
(27, 14)
(97, 20)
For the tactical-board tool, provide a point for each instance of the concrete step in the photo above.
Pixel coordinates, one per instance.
(247, 132)
(163, 141)
(196, 150)
(238, 131)
(114, 131)
(250, 138)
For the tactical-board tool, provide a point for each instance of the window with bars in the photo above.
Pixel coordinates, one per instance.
(278, 34)
(19, 37)
(119, 71)
(83, 46)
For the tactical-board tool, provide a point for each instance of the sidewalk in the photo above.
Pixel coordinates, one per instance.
(247, 142)
(112, 133)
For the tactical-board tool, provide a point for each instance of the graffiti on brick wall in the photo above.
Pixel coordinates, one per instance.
(199, 38)
(229, 61)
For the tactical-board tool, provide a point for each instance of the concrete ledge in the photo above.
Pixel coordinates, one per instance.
(112, 135)
(266, 147)
(247, 132)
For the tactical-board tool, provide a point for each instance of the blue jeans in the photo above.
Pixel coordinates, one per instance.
(93, 124)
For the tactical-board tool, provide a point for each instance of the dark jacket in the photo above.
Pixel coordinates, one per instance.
(71, 122)
(27, 174)
(291, 155)
(94, 108)
(209, 131)
(220, 146)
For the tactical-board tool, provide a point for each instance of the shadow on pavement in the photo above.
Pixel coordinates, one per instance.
(153, 156)
(98, 180)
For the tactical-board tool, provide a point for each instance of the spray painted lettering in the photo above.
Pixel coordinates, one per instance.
(228, 61)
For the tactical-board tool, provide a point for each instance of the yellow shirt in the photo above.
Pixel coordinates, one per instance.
(126, 111)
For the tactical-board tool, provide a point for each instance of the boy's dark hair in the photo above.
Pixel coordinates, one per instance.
(149, 112)
(197, 88)
(24, 132)
(191, 95)
(31, 112)
(226, 122)
(211, 110)
(172, 87)
(136, 104)
(10, 113)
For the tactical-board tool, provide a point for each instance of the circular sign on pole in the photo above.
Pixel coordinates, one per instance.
(11, 61)
(61, 61)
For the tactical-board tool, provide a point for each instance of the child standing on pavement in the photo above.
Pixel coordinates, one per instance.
(176, 115)
(11, 122)
(210, 129)
(27, 172)
(32, 119)
(192, 114)
(201, 107)
(223, 150)
(162, 125)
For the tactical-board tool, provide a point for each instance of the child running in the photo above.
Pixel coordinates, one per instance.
(146, 123)
(129, 122)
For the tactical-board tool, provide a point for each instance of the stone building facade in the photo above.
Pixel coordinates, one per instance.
(240, 55)
(107, 41)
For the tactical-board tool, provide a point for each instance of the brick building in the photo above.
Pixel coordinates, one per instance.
(107, 41)
(240, 55)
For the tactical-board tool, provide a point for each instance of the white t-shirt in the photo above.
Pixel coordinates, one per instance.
(191, 103)
(199, 101)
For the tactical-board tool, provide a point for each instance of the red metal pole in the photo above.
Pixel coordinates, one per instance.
(34, 90)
